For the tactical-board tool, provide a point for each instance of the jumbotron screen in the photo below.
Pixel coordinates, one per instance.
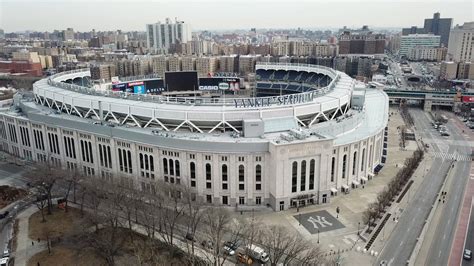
(181, 81)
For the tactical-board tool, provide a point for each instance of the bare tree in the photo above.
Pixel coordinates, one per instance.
(194, 213)
(288, 248)
(277, 239)
(313, 256)
(296, 247)
(370, 215)
(41, 203)
(108, 238)
(251, 230)
(216, 222)
(171, 210)
(44, 176)
(70, 182)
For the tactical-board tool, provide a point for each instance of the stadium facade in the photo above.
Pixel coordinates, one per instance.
(307, 136)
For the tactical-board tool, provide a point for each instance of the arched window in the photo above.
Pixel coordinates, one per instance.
(258, 173)
(152, 163)
(311, 174)
(354, 163)
(362, 160)
(146, 162)
(176, 168)
(294, 177)
(344, 165)
(241, 173)
(129, 153)
(171, 166)
(224, 173)
(303, 176)
(192, 170)
(333, 168)
(165, 166)
(208, 171)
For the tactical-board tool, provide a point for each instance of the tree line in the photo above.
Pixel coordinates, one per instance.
(167, 213)
(384, 199)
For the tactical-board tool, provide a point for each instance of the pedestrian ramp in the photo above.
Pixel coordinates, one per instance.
(452, 156)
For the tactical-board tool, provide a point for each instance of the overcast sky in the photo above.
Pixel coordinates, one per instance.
(84, 15)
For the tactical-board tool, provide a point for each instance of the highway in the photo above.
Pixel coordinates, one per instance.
(444, 234)
(403, 239)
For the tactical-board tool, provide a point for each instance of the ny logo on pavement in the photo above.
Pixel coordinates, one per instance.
(321, 220)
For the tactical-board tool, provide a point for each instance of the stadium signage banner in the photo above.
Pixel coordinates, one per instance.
(223, 86)
(208, 88)
(275, 100)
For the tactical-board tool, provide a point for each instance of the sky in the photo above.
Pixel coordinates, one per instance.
(85, 15)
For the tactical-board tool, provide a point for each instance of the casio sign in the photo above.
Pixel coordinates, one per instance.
(208, 88)
(223, 86)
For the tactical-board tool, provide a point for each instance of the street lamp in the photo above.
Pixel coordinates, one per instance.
(358, 229)
(318, 236)
(299, 219)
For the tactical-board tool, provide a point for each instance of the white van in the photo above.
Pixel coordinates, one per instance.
(4, 261)
(257, 252)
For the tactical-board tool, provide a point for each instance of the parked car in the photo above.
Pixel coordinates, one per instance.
(467, 254)
(444, 133)
(230, 247)
(257, 252)
(242, 258)
(4, 262)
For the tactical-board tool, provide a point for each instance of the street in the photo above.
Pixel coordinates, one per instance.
(441, 244)
(10, 174)
(404, 238)
(470, 236)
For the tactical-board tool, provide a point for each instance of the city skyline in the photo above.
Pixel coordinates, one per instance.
(230, 15)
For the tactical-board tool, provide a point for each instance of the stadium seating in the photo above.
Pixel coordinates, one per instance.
(279, 75)
(280, 82)
(263, 85)
(264, 74)
(292, 75)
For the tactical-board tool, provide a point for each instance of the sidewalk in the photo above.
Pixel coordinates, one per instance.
(24, 250)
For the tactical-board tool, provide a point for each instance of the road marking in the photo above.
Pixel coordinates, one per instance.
(401, 243)
(444, 236)
(439, 254)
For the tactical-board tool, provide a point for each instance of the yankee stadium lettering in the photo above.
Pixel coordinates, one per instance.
(275, 100)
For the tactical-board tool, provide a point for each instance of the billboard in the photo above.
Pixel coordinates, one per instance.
(468, 99)
(154, 86)
(181, 81)
(219, 83)
(151, 86)
(136, 87)
(119, 87)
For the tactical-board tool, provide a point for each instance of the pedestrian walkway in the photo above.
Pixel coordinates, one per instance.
(452, 156)
(26, 247)
(457, 247)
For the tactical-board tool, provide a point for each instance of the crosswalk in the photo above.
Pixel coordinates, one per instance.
(452, 156)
